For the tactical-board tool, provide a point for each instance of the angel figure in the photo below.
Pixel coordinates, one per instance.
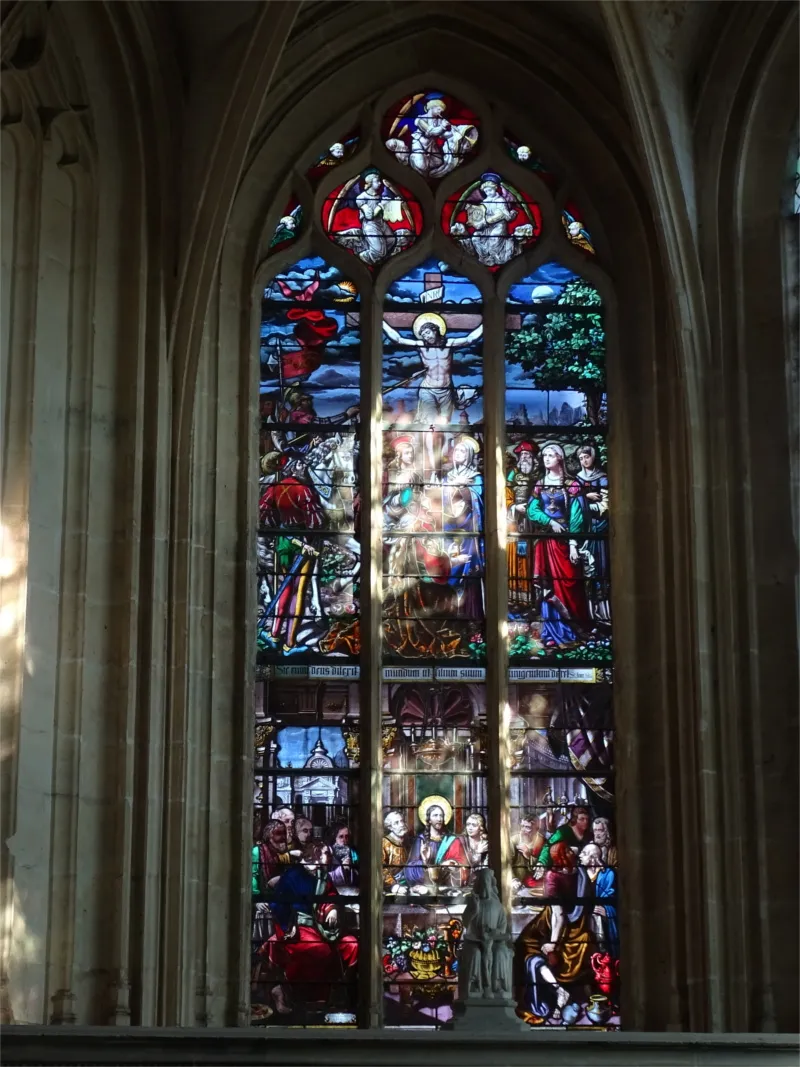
(437, 144)
(288, 227)
(576, 232)
(379, 209)
(489, 209)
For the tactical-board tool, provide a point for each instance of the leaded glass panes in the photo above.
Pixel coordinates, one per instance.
(288, 226)
(491, 220)
(305, 854)
(555, 351)
(526, 157)
(337, 153)
(372, 217)
(435, 838)
(432, 491)
(561, 805)
(433, 617)
(431, 132)
(305, 864)
(571, 218)
(410, 462)
(563, 851)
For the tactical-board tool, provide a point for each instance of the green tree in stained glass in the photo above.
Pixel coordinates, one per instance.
(565, 348)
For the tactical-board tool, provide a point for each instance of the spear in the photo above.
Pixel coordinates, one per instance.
(399, 385)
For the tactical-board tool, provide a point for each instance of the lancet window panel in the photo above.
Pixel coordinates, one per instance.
(386, 500)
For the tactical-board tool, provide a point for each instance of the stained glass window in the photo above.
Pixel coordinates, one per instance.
(563, 854)
(288, 226)
(434, 791)
(433, 572)
(337, 153)
(305, 853)
(524, 155)
(372, 217)
(431, 132)
(576, 232)
(491, 220)
(409, 460)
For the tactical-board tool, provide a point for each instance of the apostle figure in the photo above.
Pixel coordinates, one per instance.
(434, 849)
(526, 846)
(604, 881)
(308, 950)
(394, 853)
(303, 844)
(475, 842)
(603, 838)
(343, 858)
(553, 952)
(270, 857)
(575, 833)
(403, 487)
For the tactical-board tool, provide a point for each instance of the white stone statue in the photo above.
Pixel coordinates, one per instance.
(486, 956)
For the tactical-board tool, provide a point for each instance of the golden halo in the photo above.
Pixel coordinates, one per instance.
(432, 802)
(428, 317)
(465, 439)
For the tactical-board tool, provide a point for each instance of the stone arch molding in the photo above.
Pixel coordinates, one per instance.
(553, 106)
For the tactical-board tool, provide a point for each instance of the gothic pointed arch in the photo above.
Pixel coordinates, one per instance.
(260, 207)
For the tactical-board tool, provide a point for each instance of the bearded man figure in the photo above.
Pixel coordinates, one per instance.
(434, 849)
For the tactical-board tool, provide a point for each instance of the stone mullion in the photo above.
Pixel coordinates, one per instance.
(370, 796)
(60, 977)
(496, 583)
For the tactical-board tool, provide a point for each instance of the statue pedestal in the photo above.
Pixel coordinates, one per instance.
(479, 1015)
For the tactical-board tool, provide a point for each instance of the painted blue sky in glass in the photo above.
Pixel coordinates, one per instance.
(303, 347)
(420, 286)
(295, 744)
(544, 285)
(299, 283)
